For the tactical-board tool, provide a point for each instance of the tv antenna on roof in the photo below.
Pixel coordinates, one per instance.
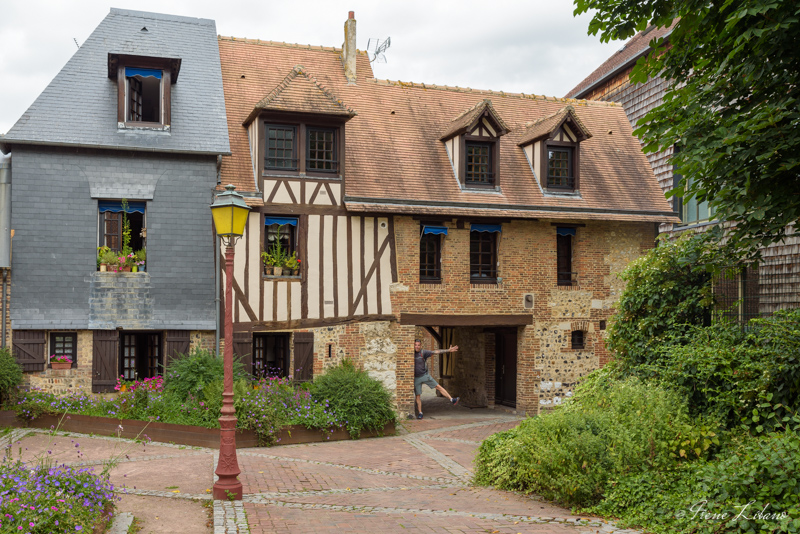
(377, 49)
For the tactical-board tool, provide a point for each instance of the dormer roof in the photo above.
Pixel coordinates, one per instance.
(548, 126)
(469, 119)
(299, 92)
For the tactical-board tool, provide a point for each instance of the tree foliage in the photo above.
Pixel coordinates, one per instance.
(732, 107)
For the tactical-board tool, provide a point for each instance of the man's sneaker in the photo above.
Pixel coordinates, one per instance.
(419, 415)
(454, 400)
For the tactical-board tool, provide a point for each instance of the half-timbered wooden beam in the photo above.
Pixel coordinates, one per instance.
(434, 334)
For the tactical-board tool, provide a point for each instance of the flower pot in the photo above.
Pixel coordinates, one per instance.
(103, 267)
(295, 272)
(268, 269)
(126, 269)
(135, 269)
(278, 271)
(61, 365)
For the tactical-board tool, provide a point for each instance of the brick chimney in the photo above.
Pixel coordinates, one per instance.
(349, 48)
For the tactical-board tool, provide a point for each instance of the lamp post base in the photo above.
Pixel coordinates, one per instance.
(228, 487)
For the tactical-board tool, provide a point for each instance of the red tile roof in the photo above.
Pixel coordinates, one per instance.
(625, 56)
(395, 161)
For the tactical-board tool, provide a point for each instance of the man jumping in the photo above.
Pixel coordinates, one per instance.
(422, 376)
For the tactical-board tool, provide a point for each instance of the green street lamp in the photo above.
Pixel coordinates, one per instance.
(230, 217)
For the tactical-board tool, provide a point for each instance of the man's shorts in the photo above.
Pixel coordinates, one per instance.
(424, 379)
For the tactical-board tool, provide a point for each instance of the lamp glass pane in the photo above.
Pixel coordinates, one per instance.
(239, 220)
(223, 218)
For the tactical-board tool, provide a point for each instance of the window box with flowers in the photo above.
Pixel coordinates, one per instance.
(60, 362)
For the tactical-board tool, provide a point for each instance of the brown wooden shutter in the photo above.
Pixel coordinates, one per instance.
(175, 342)
(29, 349)
(303, 356)
(104, 360)
(243, 349)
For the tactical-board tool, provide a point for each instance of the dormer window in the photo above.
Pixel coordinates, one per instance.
(479, 164)
(473, 146)
(560, 167)
(144, 88)
(552, 146)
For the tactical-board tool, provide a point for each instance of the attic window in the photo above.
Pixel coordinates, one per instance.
(144, 89)
(560, 167)
(143, 94)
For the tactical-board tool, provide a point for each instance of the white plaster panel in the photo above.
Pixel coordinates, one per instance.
(537, 164)
(322, 197)
(489, 127)
(269, 313)
(327, 268)
(385, 270)
(336, 189)
(569, 133)
(356, 236)
(341, 259)
(282, 196)
(282, 313)
(297, 302)
(313, 267)
(295, 186)
(371, 294)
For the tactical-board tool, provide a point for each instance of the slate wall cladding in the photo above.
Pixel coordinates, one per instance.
(55, 220)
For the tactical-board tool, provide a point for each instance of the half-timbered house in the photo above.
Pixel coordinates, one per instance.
(131, 128)
(489, 220)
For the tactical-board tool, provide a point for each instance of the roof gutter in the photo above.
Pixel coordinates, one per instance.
(6, 144)
(580, 94)
(388, 202)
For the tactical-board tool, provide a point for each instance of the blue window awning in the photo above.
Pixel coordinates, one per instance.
(269, 221)
(561, 230)
(115, 206)
(434, 230)
(144, 73)
(485, 228)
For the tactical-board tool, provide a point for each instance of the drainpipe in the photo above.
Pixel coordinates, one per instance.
(216, 288)
(5, 235)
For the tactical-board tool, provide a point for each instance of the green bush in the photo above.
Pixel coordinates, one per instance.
(188, 374)
(725, 372)
(607, 430)
(356, 398)
(10, 374)
(757, 475)
(667, 290)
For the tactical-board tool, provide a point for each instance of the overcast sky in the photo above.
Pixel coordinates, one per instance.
(530, 46)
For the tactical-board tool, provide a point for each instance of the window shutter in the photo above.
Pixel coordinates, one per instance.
(303, 356)
(29, 349)
(175, 342)
(243, 349)
(104, 360)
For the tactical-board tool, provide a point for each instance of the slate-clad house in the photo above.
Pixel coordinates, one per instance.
(752, 291)
(489, 220)
(136, 115)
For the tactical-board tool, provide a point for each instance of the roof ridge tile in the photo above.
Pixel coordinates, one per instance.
(525, 96)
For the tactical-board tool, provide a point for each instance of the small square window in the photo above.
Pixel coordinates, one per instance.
(578, 339)
(65, 344)
(321, 153)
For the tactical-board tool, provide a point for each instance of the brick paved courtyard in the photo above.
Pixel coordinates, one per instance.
(416, 481)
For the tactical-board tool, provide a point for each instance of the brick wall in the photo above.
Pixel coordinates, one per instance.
(547, 368)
